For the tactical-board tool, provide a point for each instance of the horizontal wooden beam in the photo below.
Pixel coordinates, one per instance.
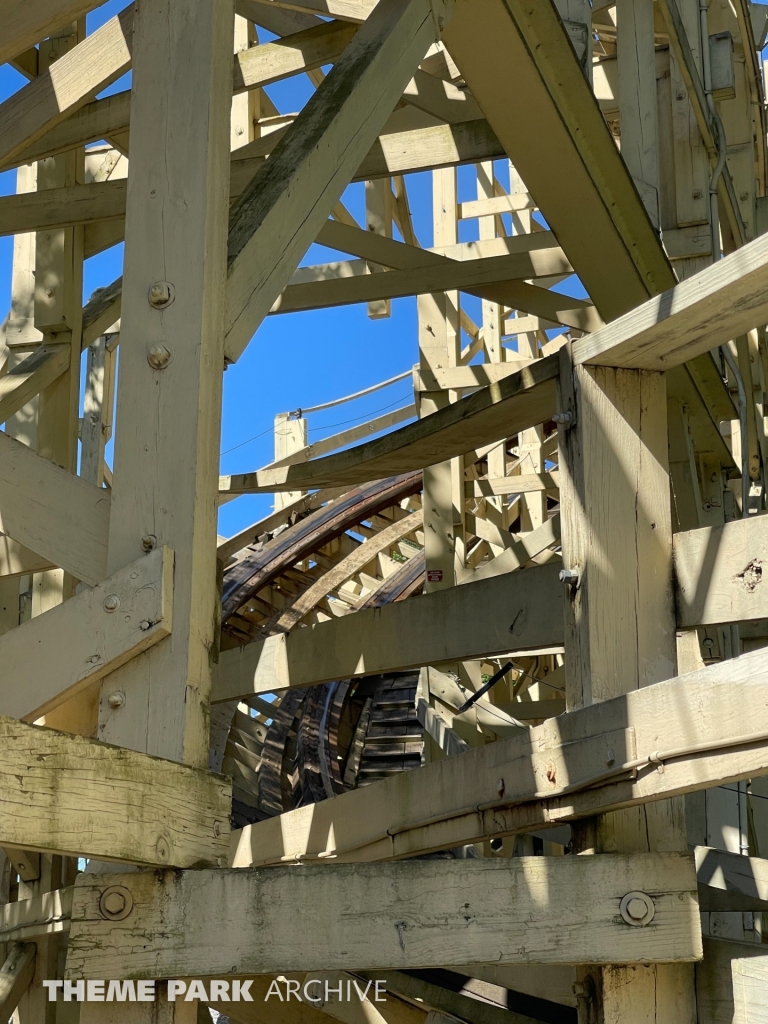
(16, 560)
(515, 403)
(69, 83)
(350, 10)
(523, 484)
(731, 882)
(416, 914)
(25, 24)
(70, 795)
(57, 515)
(44, 914)
(28, 378)
(679, 736)
(494, 616)
(58, 207)
(721, 573)
(720, 303)
(54, 656)
(302, 51)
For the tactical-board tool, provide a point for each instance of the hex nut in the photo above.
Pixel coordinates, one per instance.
(158, 356)
(116, 699)
(637, 908)
(115, 903)
(161, 294)
(111, 603)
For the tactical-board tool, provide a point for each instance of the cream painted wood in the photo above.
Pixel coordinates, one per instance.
(31, 376)
(168, 420)
(719, 573)
(26, 24)
(346, 10)
(523, 484)
(304, 51)
(54, 656)
(486, 618)
(520, 551)
(293, 194)
(520, 910)
(16, 975)
(553, 773)
(504, 408)
(44, 914)
(66, 85)
(55, 514)
(16, 560)
(70, 795)
(721, 302)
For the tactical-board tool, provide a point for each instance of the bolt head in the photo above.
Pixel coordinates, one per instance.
(144, 625)
(158, 356)
(636, 909)
(217, 829)
(116, 699)
(161, 294)
(149, 542)
(697, 194)
(111, 603)
(115, 903)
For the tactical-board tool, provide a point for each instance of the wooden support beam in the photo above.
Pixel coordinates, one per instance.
(512, 404)
(44, 914)
(31, 376)
(721, 981)
(102, 311)
(719, 573)
(16, 975)
(66, 85)
(26, 24)
(58, 207)
(520, 551)
(303, 51)
(16, 560)
(349, 10)
(730, 881)
(693, 726)
(296, 190)
(486, 618)
(523, 484)
(506, 49)
(54, 656)
(417, 914)
(721, 302)
(58, 515)
(71, 795)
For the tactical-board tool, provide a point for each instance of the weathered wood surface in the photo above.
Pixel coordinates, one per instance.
(35, 373)
(16, 975)
(545, 772)
(71, 795)
(721, 302)
(25, 24)
(55, 514)
(44, 914)
(490, 617)
(403, 915)
(730, 881)
(724, 979)
(719, 573)
(54, 656)
(500, 410)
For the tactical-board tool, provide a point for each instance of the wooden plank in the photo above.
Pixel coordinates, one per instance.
(417, 914)
(58, 515)
(750, 990)
(523, 484)
(351, 10)
(102, 311)
(26, 24)
(16, 560)
(71, 795)
(296, 190)
(16, 975)
(58, 207)
(693, 725)
(346, 568)
(66, 85)
(54, 656)
(486, 618)
(44, 914)
(303, 51)
(506, 49)
(512, 404)
(94, 121)
(520, 551)
(31, 376)
(716, 981)
(721, 302)
(719, 573)
(730, 881)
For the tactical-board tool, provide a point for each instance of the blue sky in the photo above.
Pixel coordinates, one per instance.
(299, 360)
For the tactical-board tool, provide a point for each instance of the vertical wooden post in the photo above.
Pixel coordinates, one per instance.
(637, 99)
(620, 627)
(171, 361)
(290, 437)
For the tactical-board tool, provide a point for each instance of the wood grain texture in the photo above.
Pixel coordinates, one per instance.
(25, 24)
(16, 975)
(719, 573)
(456, 800)
(55, 514)
(416, 914)
(54, 656)
(70, 795)
(489, 617)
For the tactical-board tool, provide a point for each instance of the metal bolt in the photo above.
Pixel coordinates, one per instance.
(50, 292)
(94, 659)
(563, 418)
(637, 909)
(500, 787)
(161, 294)
(239, 130)
(116, 699)
(145, 624)
(158, 356)
(680, 95)
(697, 193)
(111, 603)
(115, 903)
(217, 829)
(708, 642)
(610, 758)
(570, 576)
(743, 197)
(149, 542)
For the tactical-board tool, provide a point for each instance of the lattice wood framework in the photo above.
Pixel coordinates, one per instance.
(287, 723)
